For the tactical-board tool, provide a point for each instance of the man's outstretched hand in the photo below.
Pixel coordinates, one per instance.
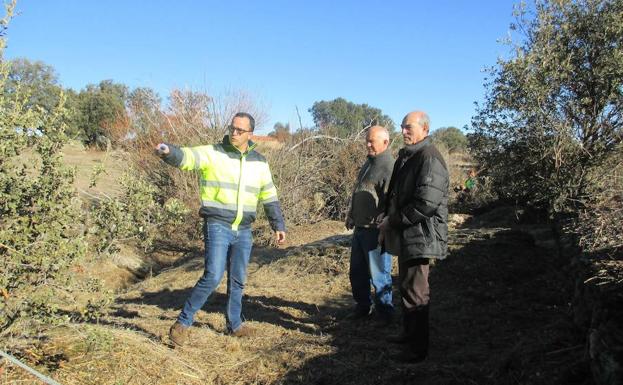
(162, 149)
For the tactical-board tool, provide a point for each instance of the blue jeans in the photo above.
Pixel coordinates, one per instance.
(224, 248)
(369, 266)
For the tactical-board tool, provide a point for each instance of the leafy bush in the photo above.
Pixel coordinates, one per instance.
(553, 110)
(40, 231)
(600, 220)
(136, 215)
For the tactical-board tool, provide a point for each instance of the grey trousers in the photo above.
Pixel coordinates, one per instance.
(413, 278)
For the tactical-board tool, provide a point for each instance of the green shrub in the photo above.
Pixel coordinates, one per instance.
(40, 231)
(599, 222)
(137, 215)
(553, 109)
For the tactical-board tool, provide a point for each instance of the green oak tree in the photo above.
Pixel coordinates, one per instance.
(553, 109)
(343, 118)
(99, 106)
(453, 138)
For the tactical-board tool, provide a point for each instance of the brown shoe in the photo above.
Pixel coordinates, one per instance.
(243, 331)
(178, 334)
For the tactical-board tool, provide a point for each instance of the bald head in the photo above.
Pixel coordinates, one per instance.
(377, 140)
(415, 126)
(378, 130)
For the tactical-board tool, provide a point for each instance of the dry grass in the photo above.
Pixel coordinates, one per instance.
(499, 316)
(86, 162)
(129, 345)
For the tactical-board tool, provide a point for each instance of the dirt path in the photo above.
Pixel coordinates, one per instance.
(499, 315)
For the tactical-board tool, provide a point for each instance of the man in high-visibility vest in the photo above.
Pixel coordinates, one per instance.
(233, 179)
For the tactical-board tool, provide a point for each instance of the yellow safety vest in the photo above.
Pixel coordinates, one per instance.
(232, 183)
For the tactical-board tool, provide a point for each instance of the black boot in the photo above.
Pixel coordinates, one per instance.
(420, 347)
(403, 336)
(417, 345)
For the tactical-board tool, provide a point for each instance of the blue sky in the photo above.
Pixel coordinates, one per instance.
(394, 55)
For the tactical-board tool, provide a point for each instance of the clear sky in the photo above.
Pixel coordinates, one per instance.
(393, 55)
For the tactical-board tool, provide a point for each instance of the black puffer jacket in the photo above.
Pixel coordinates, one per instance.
(418, 202)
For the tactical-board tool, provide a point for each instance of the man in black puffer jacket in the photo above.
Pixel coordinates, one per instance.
(417, 211)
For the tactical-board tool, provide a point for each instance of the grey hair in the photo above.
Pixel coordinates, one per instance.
(424, 121)
(384, 133)
(382, 130)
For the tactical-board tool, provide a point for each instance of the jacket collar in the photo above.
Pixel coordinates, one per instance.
(230, 147)
(383, 155)
(410, 150)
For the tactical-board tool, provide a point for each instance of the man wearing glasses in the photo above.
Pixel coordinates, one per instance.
(417, 210)
(233, 179)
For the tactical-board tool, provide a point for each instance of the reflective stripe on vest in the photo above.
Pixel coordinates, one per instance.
(229, 180)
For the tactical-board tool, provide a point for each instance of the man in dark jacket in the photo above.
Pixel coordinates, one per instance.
(367, 263)
(417, 210)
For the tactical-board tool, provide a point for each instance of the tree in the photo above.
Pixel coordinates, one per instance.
(144, 109)
(451, 137)
(98, 107)
(281, 132)
(343, 118)
(554, 109)
(37, 80)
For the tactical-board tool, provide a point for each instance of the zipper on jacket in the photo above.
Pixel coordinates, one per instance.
(239, 203)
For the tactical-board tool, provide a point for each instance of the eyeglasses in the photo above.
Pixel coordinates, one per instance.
(236, 130)
(406, 126)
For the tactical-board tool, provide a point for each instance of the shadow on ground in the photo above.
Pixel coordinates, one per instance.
(500, 314)
(256, 308)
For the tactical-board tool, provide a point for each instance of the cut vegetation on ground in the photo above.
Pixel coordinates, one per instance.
(500, 314)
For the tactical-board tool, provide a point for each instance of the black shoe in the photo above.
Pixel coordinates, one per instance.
(384, 319)
(409, 357)
(421, 331)
(400, 338)
(359, 313)
(403, 336)
(418, 330)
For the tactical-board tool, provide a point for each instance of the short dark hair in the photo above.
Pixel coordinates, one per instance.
(248, 116)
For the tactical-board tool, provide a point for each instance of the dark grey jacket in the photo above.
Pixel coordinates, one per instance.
(418, 202)
(369, 196)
